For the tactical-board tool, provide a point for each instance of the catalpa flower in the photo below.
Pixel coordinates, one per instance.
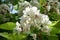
(31, 11)
(32, 17)
(18, 27)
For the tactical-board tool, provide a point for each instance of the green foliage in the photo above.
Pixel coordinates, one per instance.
(1, 18)
(42, 2)
(55, 28)
(57, 25)
(34, 30)
(5, 35)
(21, 36)
(7, 26)
(17, 36)
(49, 37)
(54, 16)
(15, 18)
(13, 36)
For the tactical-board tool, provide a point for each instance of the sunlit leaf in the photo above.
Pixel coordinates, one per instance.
(7, 26)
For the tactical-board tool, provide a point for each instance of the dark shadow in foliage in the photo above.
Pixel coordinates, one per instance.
(28, 0)
(14, 18)
(59, 0)
(8, 31)
(58, 36)
(29, 37)
(3, 38)
(14, 2)
(42, 37)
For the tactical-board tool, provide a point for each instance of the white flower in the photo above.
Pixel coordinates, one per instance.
(34, 36)
(58, 5)
(32, 17)
(19, 29)
(48, 7)
(45, 29)
(17, 24)
(31, 11)
(26, 10)
(44, 18)
(36, 19)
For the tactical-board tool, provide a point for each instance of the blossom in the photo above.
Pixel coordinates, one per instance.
(45, 29)
(34, 36)
(18, 27)
(17, 24)
(45, 19)
(32, 17)
(48, 7)
(24, 4)
(31, 11)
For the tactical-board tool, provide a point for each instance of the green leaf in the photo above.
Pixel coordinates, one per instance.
(5, 35)
(57, 25)
(7, 26)
(55, 28)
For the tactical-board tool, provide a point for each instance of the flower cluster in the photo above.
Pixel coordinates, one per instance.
(33, 18)
(51, 6)
(24, 4)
